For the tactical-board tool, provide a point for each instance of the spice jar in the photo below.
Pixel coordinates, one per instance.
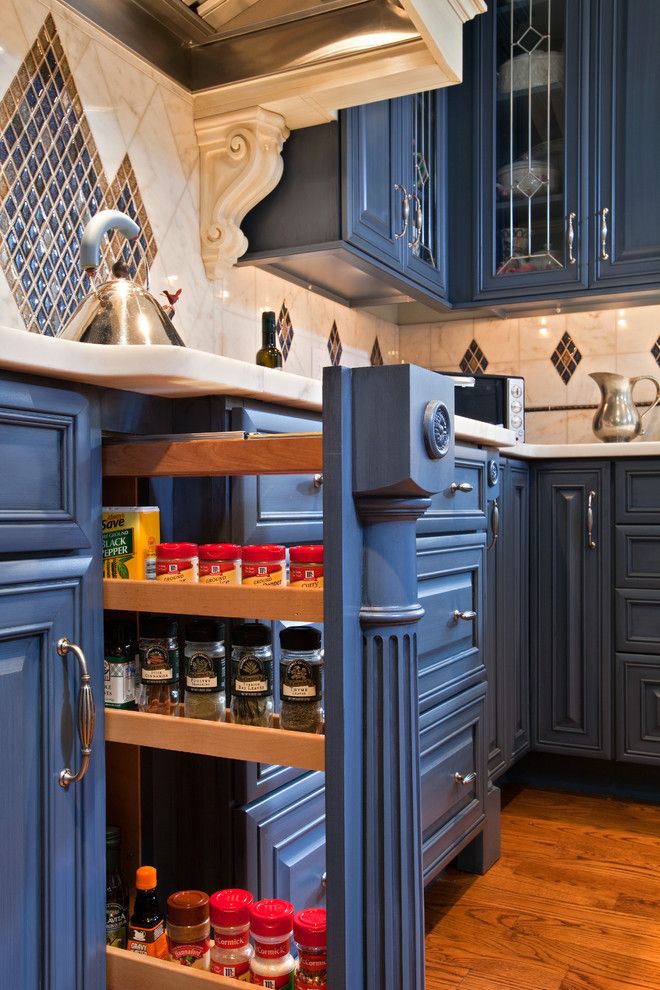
(272, 964)
(230, 917)
(158, 690)
(252, 675)
(306, 567)
(177, 563)
(219, 563)
(309, 933)
(204, 653)
(189, 928)
(120, 650)
(264, 564)
(301, 679)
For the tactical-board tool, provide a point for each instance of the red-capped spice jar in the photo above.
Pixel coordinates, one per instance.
(306, 567)
(271, 924)
(189, 928)
(310, 935)
(219, 563)
(177, 563)
(230, 918)
(264, 564)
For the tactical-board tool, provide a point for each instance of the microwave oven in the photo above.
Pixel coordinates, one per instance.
(494, 399)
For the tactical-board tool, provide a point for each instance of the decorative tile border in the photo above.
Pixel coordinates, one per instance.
(474, 361)
(335, 348)
(285, 330)
(376, 358)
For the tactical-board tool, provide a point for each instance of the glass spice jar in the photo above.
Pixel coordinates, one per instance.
(264, 564)
(219, 563)
(230, 918)
(189, 928)
(158, 651)
(310, 936)
(271, 924)
(306, 567)
(177, 563)
(120, 654)
(301, 679)
(204, 664)
(252, 675)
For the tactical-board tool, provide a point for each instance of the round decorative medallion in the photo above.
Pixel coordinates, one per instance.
(437, 429)
(493, 473)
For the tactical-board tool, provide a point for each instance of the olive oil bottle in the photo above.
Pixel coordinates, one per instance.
(268, 356)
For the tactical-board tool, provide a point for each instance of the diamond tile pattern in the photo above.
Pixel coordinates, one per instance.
(51, 183)
(566, 358)
(285, 330)
(334, 345)
(139, 254)
(474, 361)
(376, 355)
(655, 350)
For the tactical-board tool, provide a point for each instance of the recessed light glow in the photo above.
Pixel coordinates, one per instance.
(543, 331)
(622, 324)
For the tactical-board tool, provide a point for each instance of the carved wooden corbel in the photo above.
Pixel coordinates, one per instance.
(241, 162)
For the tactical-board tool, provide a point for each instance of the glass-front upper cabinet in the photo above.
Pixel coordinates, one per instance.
(531, 197)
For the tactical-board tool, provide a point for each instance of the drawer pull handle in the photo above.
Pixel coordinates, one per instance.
(604, 213)
(318, 481)
(465, 616)
(460, 486)
(468, 778)
(405, 209)
(590, 520)
(86, 713)
(495, 525)
(324, 881)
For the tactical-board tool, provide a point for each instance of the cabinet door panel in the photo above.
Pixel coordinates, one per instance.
(638, 621)
(638, 556)
(638, 709)
(53, 849)
(638, 491)
(572, 610)
(628, 106)
(456, 511)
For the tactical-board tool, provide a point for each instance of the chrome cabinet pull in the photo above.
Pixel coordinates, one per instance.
(405, 210)
(86, 713)
(468, 778)
(604, 213)
(495, 525)
(417, 223)
(465, 616)
(571, 237)
(590, 520)
(318, 481)
(460, 486)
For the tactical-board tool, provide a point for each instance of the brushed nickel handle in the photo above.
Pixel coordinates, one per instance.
(495, 525)
(86, 713)
(460, 486)
(590, 520)
(414, 244)
(468, 778)
(324, 881)
(318, 481)
(604, 213)
(405, 210)
(571, 237)
(465, 616)
(647, 378)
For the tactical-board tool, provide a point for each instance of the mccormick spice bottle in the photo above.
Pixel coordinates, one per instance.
(272, 964)
(306, 567)
(264, 565)
(252, 675)
(177, 563)
(158, 689)
(230, 918)
(189, 928)
(301, 679)
(309, 932)
(219, 563)
(146, 931)
(120, 663)
(116, 895)
(204, 653)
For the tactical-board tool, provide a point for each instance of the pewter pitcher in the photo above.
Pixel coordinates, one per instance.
(617, 418)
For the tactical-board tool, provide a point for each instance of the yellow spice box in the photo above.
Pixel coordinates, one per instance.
(131, 534)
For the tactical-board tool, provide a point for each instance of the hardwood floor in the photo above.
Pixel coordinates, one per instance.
(573, 904)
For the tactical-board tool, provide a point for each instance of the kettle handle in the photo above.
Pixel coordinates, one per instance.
(647, 378)
(105, 220)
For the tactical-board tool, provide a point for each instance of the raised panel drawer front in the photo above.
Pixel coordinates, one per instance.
(638, 621)
(461, 506)
(638, 715)
(638, 491)
(45, 453)
(638, 557)
(451, 743)
(449, 648)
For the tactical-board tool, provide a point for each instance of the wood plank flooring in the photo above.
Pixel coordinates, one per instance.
(573, 904)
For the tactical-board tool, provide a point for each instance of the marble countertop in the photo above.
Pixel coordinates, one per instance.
(558, 451)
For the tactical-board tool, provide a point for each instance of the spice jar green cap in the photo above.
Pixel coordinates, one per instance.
(188, 907)
(301, 639)
(251, 634)
(205, 631)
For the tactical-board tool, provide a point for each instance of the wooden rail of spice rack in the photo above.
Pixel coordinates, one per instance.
(129, 971)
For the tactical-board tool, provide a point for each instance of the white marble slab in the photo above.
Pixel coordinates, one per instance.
(554, 451)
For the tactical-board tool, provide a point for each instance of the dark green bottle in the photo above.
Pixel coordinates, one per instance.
(116, 894)
(268, 356)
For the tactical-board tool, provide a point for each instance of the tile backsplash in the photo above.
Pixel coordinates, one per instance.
(86, 125)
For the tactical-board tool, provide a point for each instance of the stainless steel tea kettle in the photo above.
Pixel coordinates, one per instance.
(118, 311)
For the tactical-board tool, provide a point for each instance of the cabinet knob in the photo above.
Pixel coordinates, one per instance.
(324, 881)
(86, 714)
(318, 480)
(465, 616)
(460, 486)
(468, 778)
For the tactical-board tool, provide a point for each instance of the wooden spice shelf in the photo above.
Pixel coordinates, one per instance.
(224, 739)
(237, 601)
(129, 970)
(207, 457)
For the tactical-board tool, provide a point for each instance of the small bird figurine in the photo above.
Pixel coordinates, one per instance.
(172, 299)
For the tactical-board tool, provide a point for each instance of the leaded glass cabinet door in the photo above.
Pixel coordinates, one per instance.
(425, 152)
(532, 147)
